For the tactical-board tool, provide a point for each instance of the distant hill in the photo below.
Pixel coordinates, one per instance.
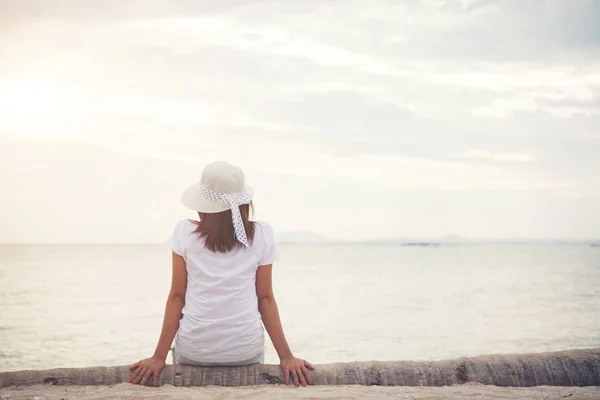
(448, 239)
(453, 238)
(311, 237)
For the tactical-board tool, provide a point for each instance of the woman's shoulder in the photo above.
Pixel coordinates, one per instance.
(185, 227)
(182, 236)
(264, 230)
(262, 224)
(266, 243)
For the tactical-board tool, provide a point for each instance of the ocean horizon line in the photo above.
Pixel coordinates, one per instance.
(388, 241)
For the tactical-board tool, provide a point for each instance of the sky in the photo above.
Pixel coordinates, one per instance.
(351, 119)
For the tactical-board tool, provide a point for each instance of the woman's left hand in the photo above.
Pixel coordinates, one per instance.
(300, 370)
(144, 368)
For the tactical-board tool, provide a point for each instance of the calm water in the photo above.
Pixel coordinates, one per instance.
(84, 306)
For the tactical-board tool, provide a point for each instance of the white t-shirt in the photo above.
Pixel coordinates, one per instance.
(221, 321)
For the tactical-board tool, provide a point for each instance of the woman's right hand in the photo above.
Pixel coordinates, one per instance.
(144, 368)
(298, 368)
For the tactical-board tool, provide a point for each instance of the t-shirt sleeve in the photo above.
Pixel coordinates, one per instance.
(269, 252)
(176, 241)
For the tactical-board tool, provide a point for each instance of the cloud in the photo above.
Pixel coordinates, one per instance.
(431, 99)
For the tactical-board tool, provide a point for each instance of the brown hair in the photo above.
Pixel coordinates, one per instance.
(217, 229)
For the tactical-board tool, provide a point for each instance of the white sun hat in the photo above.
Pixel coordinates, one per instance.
(222, 187)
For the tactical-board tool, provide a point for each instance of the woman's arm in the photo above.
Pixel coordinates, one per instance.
(300, 369)
(175, 302)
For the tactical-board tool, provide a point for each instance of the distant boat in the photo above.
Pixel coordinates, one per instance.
(595, 244)
(422, 244)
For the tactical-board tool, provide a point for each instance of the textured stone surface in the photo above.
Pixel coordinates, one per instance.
(562, 368)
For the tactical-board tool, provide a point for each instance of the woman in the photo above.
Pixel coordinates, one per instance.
(221, 284)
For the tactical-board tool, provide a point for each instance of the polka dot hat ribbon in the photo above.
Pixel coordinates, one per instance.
(235, 200)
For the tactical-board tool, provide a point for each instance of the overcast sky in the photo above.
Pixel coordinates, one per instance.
(352, 119)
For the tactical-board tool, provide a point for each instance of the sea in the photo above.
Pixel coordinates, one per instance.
(81, 306)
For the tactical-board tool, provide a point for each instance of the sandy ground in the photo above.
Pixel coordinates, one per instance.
(168, 392)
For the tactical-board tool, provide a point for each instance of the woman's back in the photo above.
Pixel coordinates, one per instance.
(221, 321)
